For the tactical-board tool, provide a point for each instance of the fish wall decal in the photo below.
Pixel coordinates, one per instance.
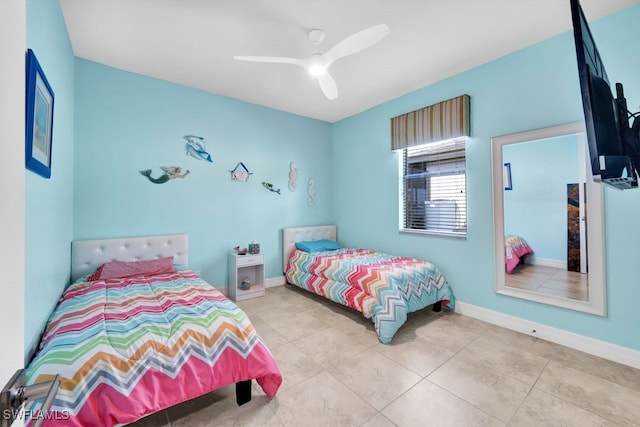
(269, 187)
(195, 148)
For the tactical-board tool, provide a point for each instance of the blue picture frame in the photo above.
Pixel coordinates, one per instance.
(506, 177)
(39, 118)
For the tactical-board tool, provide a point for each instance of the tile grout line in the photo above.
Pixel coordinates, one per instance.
(466, 401)
(530, 390)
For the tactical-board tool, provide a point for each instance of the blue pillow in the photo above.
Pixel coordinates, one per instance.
(318, 245)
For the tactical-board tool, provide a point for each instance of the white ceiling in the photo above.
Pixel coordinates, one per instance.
(192, 42)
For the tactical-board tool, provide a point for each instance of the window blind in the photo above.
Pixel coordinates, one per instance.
(434, 187)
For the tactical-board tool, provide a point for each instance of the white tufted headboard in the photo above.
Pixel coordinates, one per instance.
(304, 234)
(88, 255)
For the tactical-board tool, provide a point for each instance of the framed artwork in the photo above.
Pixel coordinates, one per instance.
(506, 177)
(39, 118)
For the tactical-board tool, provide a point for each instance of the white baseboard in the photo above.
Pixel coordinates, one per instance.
(616, 353)
(546, 262)
(270, 282)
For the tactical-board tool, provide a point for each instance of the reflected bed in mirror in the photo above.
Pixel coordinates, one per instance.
(549, 242)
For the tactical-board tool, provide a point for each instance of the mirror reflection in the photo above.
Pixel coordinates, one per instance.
(548, 219)
(544, 217)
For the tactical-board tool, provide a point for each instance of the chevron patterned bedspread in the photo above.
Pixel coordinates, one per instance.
(126, 348)
(515, 247)
(383, 287)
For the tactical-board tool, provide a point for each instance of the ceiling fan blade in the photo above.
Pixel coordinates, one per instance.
(357, 42)
(328, 86)
(274, 59)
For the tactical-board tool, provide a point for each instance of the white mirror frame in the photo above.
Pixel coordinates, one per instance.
(595, 226)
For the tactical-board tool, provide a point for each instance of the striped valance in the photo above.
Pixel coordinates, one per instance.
(438, 122)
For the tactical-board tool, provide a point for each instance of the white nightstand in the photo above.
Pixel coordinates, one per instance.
(249, 266)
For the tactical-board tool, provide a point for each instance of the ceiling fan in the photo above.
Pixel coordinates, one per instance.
(319, 63)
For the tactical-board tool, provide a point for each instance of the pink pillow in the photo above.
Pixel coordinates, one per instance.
(124, 269)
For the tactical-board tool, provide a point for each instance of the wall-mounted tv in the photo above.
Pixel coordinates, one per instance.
(614, 146)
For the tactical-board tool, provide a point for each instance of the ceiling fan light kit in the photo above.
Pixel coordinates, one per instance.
(317, 70)
(317, 66)
(319, 63)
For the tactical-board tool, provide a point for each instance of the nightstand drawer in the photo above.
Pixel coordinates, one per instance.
(243, 260)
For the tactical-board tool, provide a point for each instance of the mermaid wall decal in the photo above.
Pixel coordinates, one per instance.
(171, 172)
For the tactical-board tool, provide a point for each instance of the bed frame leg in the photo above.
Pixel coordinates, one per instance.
(437, 307)
(243, 392)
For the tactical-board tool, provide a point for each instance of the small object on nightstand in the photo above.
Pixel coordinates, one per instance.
(254, 248)
(245, 284)
(242, 251)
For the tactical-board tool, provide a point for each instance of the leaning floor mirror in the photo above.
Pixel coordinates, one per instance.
(548, 219)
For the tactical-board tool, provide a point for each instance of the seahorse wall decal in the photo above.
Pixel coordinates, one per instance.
(171, 172)
(293, 175)
(311, 191)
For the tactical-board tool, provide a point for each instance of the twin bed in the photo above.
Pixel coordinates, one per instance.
(133, 338)
(383, 287)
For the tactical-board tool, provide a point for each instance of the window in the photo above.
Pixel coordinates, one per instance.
(433, 193)
(433, 184)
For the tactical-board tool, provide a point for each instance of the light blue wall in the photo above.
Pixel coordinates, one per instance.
(49, 202)
(529, 89)
(127, 122)
(536, 207)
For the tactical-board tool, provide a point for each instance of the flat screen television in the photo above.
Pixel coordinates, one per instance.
(614, 146)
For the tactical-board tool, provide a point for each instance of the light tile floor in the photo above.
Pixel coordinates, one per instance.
(441, 369)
